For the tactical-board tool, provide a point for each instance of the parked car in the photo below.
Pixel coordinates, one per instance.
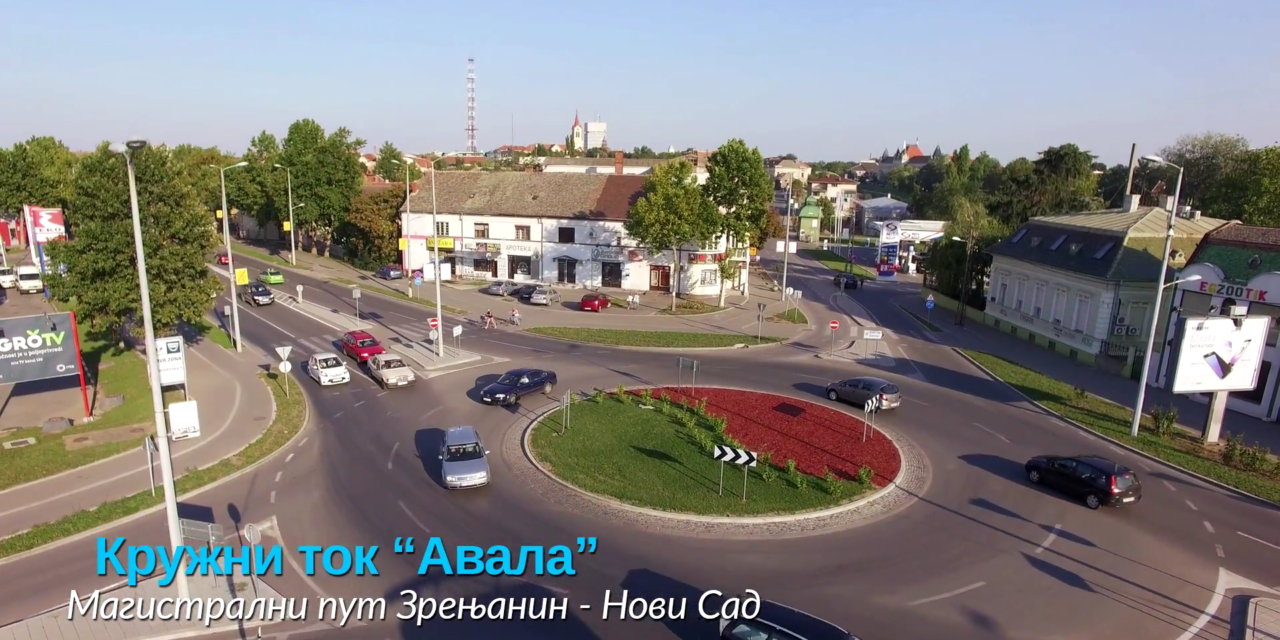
(544, 296)
(271, 276)
(256, 294)
(517, 383)
(501, 288)
(846, 281)
(779, 622)
(389, 370)
(390, 272)
(29, 279)
(361, 346)
(525, 291)
(327, 368)
(1097, 480)
(464, 461)
(223, 258)
(594, 302)
(857, 391)
(8, 278)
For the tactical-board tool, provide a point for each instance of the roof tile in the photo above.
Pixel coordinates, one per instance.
(549, 195)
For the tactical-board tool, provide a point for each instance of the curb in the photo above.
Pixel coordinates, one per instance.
(659, 349)
(1125, 446)
(306, 422)
(685, 517)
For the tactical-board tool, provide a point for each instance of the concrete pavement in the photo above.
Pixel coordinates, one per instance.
(235, 407)
(1263, 622)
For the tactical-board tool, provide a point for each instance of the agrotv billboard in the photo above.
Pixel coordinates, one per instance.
(37, 347)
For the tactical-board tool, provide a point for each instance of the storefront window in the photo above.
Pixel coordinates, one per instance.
(1259, 309)
(710, 277)
(519, 265)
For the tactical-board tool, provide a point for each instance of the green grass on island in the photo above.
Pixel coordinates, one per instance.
(792, 315)
(689, 308)
(924, 322)
(652, 339)
(385, 290)
(290, 415)
(1248, 468)
(259, 254)
(660, 458)
(837, 263)
(215, 334)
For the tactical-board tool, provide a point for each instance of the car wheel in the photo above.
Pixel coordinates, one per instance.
(1034, 476)
(832, 395)
(546, 389)
(1092, 501)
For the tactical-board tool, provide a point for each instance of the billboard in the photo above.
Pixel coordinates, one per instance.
(37, 347)
(171, 360)
(1214, 354)
(890, 236)
(43, 226)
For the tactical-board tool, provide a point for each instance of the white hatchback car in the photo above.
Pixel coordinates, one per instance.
(327, 368)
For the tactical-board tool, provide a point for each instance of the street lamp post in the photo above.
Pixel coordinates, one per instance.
(231, 267)
(153, 366)
(404, 231)
(964, 282)
(786, 243)
(293, 239)
(1155, 312)
(435, 235)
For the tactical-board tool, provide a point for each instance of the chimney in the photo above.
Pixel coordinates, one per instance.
(1166, 203)
(1131, 203)
(617, 163)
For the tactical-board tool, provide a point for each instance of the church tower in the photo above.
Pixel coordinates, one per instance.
(576, 139)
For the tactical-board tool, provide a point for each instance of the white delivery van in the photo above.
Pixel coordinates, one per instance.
(8, 279)
(29, 279)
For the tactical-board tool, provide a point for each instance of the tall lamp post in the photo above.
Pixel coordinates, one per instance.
(965, 289)
(786, 243)
(404, 258)
(231, 263)
(435, 241)
(293, 238)
(1155, 312)
(153, 366)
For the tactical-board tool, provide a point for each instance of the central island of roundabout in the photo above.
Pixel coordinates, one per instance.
(650, 451)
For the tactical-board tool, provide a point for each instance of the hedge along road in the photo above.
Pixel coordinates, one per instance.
(974, 532)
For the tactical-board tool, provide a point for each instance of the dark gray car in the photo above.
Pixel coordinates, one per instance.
(857, 391)
(779, 622)
(501, 288)
(464, 461)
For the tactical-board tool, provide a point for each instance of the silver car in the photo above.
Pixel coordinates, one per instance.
(464, 461)
(389, 370)
(544, 296)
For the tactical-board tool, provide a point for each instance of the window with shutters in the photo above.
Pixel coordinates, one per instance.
(1059, 305)
(1080, 321)
(442, 228)
(482, 230)
(1037, 301)
(522, 232)
(1019, 290)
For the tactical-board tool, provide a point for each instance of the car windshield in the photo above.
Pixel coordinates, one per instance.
(258, 289)
(393, 363)
(366, 342)
(6, 271)
(328, 363)
(1124, 481)
(463, 452)
(509, 380)
(29, 276)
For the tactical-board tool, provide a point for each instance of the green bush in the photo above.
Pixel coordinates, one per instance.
(1164, 421)
(833, 484)
(720, 424)
(598, 396)
(1255, 458)
(1079, 394)
(646, 395)
(701, 407)
(1233, 449)
(621, 394)
(865, 474)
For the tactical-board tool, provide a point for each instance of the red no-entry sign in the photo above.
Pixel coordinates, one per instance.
(835, 324)
(435, 324)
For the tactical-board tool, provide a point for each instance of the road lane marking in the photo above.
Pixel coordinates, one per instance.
(1170, 485)
(1115, 448)
(288, 458)
(358, 403)
(1258, 540)
(415, 520)
(278, 474)
(393, 454)
(909, 361)
(990, 432)
(947, 594)
(304, 441)
(402, 315)
(338, 413)
(273, 497)
(919, 402)
(1218, 548)
(1053, 535)
(1193, 507)
(1208, 526)
(276, 326)
(383, 393)
(508, 344)
(542, 586)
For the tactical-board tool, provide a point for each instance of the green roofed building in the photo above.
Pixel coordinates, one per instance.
(809, 220)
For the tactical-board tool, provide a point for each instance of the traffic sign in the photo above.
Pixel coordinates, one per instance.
(760, 307)
(355, 292)
(433, 335)
(283, 352)
(872, 334)
(790, 291)
(457, 330)
(434, 322)
(252, 534)
(871, 405)
(417, 280)
(404, 244)
(734, 456)
(930, 298)
(299, 289)
(242, 277)
(928, 304)
(835, 324)
(285, 367)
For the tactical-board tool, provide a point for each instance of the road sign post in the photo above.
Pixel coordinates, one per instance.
(692, 366)
(457, 337)
(760, 307)
(417, 282)
(871, 335)
(285, 367)
(253, 536)
(149, 446)
(355, 295)
(869, 410)
(835, 325)
(733, 455)
(928, 305)
(299, 290)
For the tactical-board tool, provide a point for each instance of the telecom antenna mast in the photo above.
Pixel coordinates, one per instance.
(471, 106)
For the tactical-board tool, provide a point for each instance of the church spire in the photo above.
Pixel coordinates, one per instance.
(576, 122)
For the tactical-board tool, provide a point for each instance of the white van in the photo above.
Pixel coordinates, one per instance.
(29, 279)
(8, 279)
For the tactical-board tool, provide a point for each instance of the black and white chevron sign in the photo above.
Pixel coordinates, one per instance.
(734, 456)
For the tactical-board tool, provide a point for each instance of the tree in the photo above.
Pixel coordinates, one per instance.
(327, 176)
(1251, 191)
(740, 186)
(598, 152)
(774, 228)
(391, 165)
(799, 191)
(259, 188)
(101, 274)
(371, 231)
(902, 181)
(1206, 159)
(642, 153)
(37, 172)
(672, 213)
(828, 221)
(194, 162)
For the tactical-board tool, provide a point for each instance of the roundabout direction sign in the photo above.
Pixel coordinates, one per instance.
(734, 455)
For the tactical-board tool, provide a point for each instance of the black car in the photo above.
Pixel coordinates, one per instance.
(846, 281)
(257, 294)
(780, 622)
(525, 291)
(1097, 480)
(517, 383)
(390, 272)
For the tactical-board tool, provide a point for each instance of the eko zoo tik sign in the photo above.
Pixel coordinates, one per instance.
(37, 347)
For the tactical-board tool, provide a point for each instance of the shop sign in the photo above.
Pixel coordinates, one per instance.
(607, 253)
(519, 248)
(1234, 291)
(444, 243)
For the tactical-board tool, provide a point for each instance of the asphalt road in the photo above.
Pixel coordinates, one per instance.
(979, 554)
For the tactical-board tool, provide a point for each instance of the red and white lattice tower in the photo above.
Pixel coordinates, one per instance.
(471, 106)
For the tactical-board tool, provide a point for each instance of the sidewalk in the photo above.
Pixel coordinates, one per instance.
(1263, 622)
(234, 410)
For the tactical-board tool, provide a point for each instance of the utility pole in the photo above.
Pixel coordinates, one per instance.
(786, 244)
(1133, 167)
(231, 267)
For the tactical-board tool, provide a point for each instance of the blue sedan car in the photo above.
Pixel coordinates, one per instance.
(516, 383)
(390, 272)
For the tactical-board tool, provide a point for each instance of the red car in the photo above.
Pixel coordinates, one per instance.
(360, 346)
(223, 259)
(594, 302)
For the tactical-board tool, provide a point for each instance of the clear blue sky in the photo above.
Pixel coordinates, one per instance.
(833, 80)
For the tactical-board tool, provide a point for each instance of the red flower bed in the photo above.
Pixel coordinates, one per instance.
(815, 436)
